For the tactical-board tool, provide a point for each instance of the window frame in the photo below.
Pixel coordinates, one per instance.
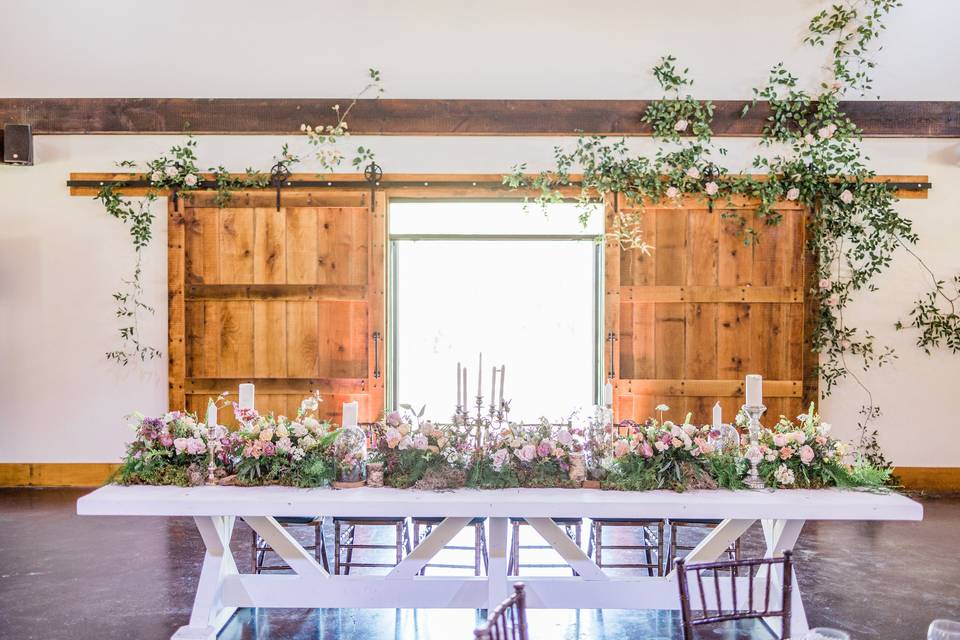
(393, 278)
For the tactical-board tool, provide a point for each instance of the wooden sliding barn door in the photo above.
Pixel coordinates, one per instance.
(289, 300)
(703, 310)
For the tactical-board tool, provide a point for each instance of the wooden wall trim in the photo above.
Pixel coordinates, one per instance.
(55, 474)
(440, 117)
(935, 479)
(176, 306)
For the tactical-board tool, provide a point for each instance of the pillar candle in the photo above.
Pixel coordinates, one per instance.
(211, 414)
(717, 416)
(464, 388)
(754, 390)
(608, 394)
(459, 394)
(350, 412)
(493, 383)
(246, 396)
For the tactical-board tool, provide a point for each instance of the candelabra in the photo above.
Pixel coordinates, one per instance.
(496, 414)
(753, 479)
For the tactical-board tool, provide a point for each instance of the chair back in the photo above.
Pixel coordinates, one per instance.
(715, 583)
(508, 621)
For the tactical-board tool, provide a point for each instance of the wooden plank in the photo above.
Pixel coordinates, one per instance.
(300, 387)
(302, 340)
(343, 248)
(700, 294)
(236, 339)
(236, 245)
(342, 344)
(681, 387)
(375, 404)
(269, 257)
(176, 321)
(611, 362)
(269, 339)
(276, 292)
(302, 245)
(447, 117)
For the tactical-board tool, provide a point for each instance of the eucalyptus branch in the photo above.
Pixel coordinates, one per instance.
(324, 137)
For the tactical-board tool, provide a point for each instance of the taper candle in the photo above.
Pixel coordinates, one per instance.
(717, 416)
(503, 374)
(459, 394)
(480, 377)
(493, 383)
(211, 414)
(351, 411)
(464, 388)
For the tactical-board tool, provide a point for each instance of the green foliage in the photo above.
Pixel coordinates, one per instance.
(678, 115)
(934, 315)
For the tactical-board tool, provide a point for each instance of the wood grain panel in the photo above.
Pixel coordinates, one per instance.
(302, 245)
(269, 339)
(269, 253)
(236, 245)
(705, 309)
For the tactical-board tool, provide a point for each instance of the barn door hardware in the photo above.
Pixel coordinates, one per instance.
(611, 338)
(373, 174)
(376, 354)
(279, 174)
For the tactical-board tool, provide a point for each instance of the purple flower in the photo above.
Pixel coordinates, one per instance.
(393, 419)
(269, 448)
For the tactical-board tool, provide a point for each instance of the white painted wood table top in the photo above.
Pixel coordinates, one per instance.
(221, 588)
(795, 504)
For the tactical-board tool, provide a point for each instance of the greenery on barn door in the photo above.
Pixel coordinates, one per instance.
(176, 173)
(810, 153)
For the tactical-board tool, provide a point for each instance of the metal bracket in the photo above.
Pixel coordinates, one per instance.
(611, 338)
(376, 354)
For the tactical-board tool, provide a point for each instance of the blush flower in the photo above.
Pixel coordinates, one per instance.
(711, 188)
(693, 172)
(190, 180)
(527, 452)
(806, 454)
(621, 448)
(833, 300)
(793, 193)
(673, 192)
(846, 197)
(681, 125)
(499, 458)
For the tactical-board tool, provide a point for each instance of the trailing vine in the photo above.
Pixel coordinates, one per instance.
(810, 152)
(176, 172)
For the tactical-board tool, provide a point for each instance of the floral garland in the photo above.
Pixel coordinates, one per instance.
(306, 452)
(176, 172)
(811, 153)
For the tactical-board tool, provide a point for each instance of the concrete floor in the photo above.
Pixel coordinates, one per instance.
(72, 578)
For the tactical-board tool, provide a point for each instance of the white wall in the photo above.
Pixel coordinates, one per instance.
(61, 257)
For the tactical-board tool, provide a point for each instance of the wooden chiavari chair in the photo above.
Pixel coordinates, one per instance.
(709, 579)
(508, 621)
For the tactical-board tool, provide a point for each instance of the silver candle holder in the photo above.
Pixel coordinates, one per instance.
(212, 463)
(753, 479)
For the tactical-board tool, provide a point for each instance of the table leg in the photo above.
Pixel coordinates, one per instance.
(209, 615)
(782, 535)
(497, 567)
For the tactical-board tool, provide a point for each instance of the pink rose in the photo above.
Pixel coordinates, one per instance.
(711, 188)
(499, 458)
(779, 440)
(826, 283)
(190, 180)
(166, 439)
(392, 436)
(527, 452)
(809, 139)
(693, 172)
(621, 448)
(180, 444)
(673, 192)
(564, 437)
(545, 448)
(681, 125)
(646, 450)
(156, 176)
(793, 193)
(420, 441)
(171, 171)
(806, 454)
(269, 449)
(393, 419)
(786, 453)
(833, 300)
(846, 197)
(826, 132)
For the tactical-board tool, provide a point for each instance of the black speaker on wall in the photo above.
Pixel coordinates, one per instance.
(17, 144)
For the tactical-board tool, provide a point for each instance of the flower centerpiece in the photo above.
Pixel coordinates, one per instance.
(802, 454)
(416, 453)
(271, 449)
(169, 450)
(665, 455)
(519, 455)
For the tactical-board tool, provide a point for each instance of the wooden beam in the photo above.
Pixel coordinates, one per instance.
(327, 292)
(659, 387)
(435, 117)
(697, 294)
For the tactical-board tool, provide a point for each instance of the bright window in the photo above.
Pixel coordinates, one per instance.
(487, 277)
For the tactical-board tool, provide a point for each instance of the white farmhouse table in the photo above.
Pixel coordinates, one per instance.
(222, 589)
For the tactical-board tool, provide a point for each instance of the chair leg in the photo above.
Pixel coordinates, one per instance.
(577, 538)
(399, 542)
(596, 535)
(351, 538)
(648, 550)
(483, 548)
(477, 541)
(660, 548)
(254, 556)
(673, 547)
(513, 566)
(336, 548)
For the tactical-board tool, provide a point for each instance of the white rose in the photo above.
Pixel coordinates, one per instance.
(693, 172)
(846, 197)
(171, 171)
(793, 194)
(190, 180)
(681, 125)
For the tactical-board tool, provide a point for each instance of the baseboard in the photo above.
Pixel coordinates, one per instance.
(55, 474)
(945, 479)
(94, 474)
